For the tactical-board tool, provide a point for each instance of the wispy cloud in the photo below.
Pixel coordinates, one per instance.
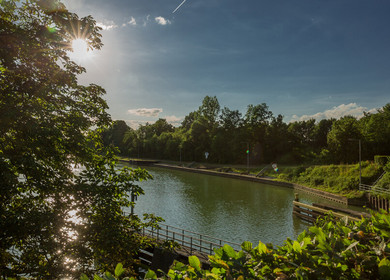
(351, 109)
(107, 25)
(162, 21)
(146, 20)
(145, 112)
(132, 21)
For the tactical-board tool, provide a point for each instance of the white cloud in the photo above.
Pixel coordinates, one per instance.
(108, 25)
(351, 109)
(134, 124)
(145, 112)
(162, 21)
(132, 21)
(175, 121)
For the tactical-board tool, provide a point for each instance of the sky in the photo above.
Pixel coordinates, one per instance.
(304, 59)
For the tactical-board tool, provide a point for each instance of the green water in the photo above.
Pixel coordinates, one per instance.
(229, 209)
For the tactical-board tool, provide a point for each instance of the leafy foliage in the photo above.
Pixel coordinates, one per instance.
(332, 249)
(341, 179)
(61, 196)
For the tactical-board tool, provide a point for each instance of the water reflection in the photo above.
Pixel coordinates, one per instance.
(229, 209)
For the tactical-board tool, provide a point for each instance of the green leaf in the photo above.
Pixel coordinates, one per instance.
(384, 269)
(229, 251)
(150, 275)
(108, 276)
(246, 246)
(84, 277)
(119, 270)
(262, 248)
(297, 247)
(194, 262)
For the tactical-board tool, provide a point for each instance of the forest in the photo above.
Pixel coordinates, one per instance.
(228, 135)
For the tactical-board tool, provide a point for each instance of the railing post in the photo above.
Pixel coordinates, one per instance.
(182, 241)
(166, 235)
(191, 245)
(200, 247)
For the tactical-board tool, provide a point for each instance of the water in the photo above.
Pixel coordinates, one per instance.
(225, 208)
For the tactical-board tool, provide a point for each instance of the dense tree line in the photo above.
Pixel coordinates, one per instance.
(226, 135)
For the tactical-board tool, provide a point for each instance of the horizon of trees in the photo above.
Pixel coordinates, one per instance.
(226, 135)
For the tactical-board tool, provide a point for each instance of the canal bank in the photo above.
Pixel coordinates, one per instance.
(263, 180)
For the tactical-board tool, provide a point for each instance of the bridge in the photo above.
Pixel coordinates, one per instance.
(189, 243)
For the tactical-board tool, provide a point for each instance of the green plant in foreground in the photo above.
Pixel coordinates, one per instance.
(332, 249)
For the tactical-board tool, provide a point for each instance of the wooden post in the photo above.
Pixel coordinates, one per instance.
(296, 197)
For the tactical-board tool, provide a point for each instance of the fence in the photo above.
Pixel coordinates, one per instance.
(189, 240)
(375, 199)
(374, 189)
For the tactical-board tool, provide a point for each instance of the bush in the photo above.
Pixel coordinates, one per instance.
(381, 160)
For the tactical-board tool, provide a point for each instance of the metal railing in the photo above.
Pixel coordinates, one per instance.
(380, 177)
(188, 240)
(374, 189)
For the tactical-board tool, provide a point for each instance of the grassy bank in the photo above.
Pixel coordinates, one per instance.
(337, 179)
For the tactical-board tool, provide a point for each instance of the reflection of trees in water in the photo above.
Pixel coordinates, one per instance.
(234, 210)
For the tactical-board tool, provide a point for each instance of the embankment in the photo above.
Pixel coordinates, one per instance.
(263, 180)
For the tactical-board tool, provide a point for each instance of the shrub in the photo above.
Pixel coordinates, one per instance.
(381, 160)
(332, 249)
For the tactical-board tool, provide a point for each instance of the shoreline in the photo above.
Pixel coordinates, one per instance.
(252, 178)
(333, 197)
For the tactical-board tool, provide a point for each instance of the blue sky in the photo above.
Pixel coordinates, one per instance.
(304, 58)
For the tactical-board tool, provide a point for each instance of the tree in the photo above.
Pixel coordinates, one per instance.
(209, 110)
(340, 137)
(321, 131)
(257, 119)
(277, 143)
(230, 119)
(55, 220)
(375, 129)
(189, 120)
(161, 126)
(115, 136)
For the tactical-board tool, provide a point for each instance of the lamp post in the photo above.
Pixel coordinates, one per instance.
(247, 156)
(360, 158)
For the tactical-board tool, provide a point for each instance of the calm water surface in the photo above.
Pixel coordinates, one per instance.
(229, 209)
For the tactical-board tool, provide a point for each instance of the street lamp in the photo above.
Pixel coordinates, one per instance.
(360, 158)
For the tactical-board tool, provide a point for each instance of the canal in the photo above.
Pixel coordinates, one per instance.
(229, 209)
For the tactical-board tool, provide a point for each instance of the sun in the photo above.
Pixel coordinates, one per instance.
(80, 46)
(80, 50)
